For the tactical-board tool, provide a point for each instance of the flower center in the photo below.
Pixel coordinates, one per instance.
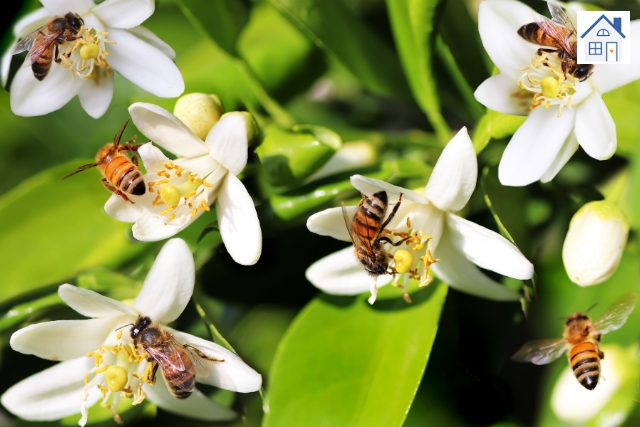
(404, 260)
(545, 79)
(116, 376)
(87, 58)
(184, 196)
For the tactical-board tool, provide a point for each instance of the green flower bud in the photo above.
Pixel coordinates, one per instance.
(199, 112)
(595, 241)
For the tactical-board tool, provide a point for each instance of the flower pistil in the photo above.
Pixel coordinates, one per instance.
(87, 58)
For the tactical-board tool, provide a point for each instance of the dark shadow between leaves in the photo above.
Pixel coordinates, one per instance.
(338, 300)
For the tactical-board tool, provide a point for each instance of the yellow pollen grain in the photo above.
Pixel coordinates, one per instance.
(102, 369)
(194, 213)
(119, 334)
(408, 222)
(103, 390)
(166, 211)
(204, 206)
(86, 378)
(206, 184)
(190, 194)
(172, 217)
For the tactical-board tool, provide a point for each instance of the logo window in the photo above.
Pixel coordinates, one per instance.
(603, 32)
(595, 48)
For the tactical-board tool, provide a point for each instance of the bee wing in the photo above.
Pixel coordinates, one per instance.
(40, 47)
(540, 352)
(201, 368)
(24, 43)
(559, 33)
(558, 15)
(349, 223)
(617, 314)
(166, 356)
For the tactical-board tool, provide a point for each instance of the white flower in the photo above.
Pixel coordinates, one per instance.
(595, 241)
(87, 347)
(429, 218)
(545, 142)
(181, 190)
(133, 51)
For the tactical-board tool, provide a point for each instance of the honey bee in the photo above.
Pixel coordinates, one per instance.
(581, 338)
(559, 35)
(121, 175)
(43, 43)
(179, 363)
(366, 228)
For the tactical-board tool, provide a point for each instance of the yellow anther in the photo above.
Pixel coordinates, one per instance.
(162, 181)
(166, 211)
(86, 378)
(119, 334)
(89, 51)
(404, 261)
(170, 195)
(406, 297)
(102, 369)
(141, 396)
(190, 194)
(425, 237)
(204, 206)
(116, 377)
(194, 213)
(103, 390)
(418, 246)
(164, 173)
(135, 374)
(157, 201)
(408, 222)
(206, 184)
(550, 87)
(547, 105)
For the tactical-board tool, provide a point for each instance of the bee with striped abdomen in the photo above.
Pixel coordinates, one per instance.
(581, 338)
(44, 43)
(559, 35)
(121, 175)
(365, 229)
(179, 363)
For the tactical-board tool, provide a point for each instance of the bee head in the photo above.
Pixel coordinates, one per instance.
(139, 326)
(74, 20)
(582, 71)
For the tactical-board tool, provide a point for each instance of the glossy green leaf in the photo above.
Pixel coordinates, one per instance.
(288, 207)
(622, 103)
(495, 125)
(222, 20)
(414, 24)
(64, 232)
(21, 312)
(290, 157)
(333, 27)
(344, 362)
(115, 285)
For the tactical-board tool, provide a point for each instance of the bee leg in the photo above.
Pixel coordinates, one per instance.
(388, 240)
(129, 145)
(543, 50)
(114, 190)
(56, 55)
(392, 214)
(201, 355)
(601, 354)
(134, 160)
(152, 374)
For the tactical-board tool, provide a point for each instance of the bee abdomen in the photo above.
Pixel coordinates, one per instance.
(125, 176)
(181, 383)
(132, 183)
(585, 363)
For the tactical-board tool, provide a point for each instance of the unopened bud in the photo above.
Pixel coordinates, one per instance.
(199, 112)
(595, 241)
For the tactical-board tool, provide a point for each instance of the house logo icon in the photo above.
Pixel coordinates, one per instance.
(603, 37)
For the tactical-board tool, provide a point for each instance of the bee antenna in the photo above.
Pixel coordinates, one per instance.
(592, 307)
(130, 324)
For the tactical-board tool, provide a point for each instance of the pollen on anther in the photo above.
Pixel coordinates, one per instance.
(194, 213)
(119, 334)
(204, 206)
(86, 378)
(408, 222)
(102, 369)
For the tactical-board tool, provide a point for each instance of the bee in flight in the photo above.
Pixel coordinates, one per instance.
(581, 338)
(44, 43)
(180, 363)
(121, 175)
(559, 35)
(366, 228)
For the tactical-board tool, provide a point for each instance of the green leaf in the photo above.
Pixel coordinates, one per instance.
(288, 207)
(623, 106)
(414, 27)
(344, 362)
(333, 27)
(290, 157)
(215, 334)
(222, 20)
(21, 312)
(495, 125)
(52, 230)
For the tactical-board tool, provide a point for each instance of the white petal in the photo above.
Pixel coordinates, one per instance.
(144, 65)
(238, 222)
(169, 284)
(341, 274)
(124, 13)
(151, 227)
(461, 274)
(51, 394)
(595, 129)
(487, 248)
(95, 98)
(496, 93)
(148, 36)
(423, 218)
(61, 7)
(92, 304)
(454, 177)
(197, 406)
(228, 142)
(30, 97)
(62, 339)
(498, 24)
(232, 374)
(610, 77)
(330, 222)
(202, 166)
(31, 22)
(166, 130)
(534, 147)
(568, 148)
(122, 210)
(369, 186)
